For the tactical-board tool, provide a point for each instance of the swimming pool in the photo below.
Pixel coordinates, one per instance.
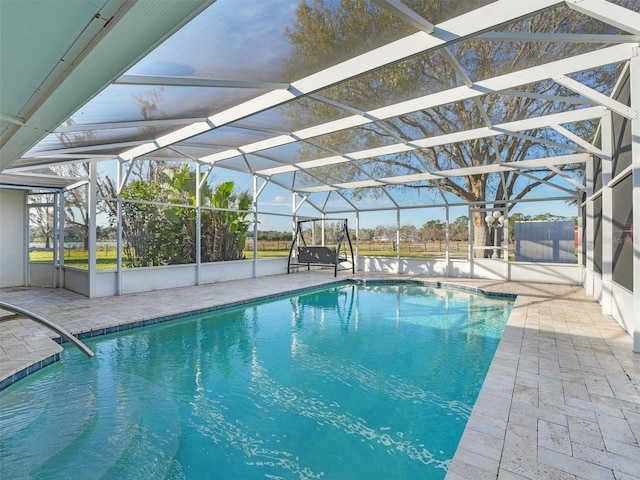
(350, 381)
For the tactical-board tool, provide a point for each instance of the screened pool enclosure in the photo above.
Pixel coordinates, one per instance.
(149, 145)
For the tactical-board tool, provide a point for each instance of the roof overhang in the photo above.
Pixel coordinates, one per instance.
(36, 181)
(61, 54)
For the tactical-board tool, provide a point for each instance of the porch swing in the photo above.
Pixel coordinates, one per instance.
(320, 256)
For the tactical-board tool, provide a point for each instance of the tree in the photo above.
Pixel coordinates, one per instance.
(459, 229)
(76, 202)
(41, 218)
(141, 224)
(326, 33)
(224, 230)
(166, 235)
(366, 234)
(409, 233)
(433, 230)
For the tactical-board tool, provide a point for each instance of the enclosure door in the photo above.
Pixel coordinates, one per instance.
(42, 240)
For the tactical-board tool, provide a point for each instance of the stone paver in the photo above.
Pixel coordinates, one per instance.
(561, 399)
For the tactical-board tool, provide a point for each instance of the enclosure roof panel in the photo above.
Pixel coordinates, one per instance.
(322, 96)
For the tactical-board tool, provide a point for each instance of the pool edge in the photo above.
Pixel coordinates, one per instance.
(15, 377)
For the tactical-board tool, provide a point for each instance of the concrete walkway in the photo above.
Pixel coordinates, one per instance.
(560, 401)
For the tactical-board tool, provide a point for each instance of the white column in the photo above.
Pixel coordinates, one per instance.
(254, 207)
(26, 231)
(294, 209)
(56, 237)
(447, 257)
(119, 229)
(92, 228)
(635, 197)
(398, 240)
(589, 232)
(198, 239)
(60, 278)
(606, 132)
(505, 241)
(470, 255)
(357, 239)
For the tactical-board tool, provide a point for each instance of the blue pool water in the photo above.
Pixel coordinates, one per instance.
(353, 381)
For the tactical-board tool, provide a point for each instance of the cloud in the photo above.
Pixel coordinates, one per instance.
(279, 199)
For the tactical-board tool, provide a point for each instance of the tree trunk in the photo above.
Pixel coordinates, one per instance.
(476, 186)
(479, 233)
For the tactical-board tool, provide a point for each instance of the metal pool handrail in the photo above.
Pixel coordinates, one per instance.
(21, 312)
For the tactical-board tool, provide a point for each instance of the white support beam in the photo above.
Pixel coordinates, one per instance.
(259, 190)
(457, 172)
(459, 69)
(543, 141)
(204, 175)
(37, 162)
(507, 82)
(569, 179)
(483, 132)
(593, 95)
(86, 150)
(608, 12)
(124, 178)
(578, 140)
(177, 150)
(546, 182)
(88, 127)
(296, 206)
(547, 98)
(557, 37)
(390, 197)
(168, 81)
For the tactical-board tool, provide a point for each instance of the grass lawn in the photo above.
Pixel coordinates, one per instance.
(106, 256)
(78, 258)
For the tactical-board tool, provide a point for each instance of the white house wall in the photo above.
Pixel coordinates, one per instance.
(12, 238)
(622, 307)
(621, 303)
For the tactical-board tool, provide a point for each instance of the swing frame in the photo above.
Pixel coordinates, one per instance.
(320, 256)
